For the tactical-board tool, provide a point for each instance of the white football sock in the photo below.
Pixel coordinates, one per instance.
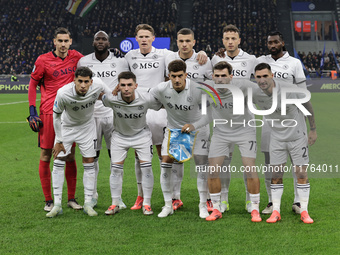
(303, 191)
(277, 191)
(165, 183)
(202, 187)
(255, 201)
(58, 180)
(138, 177)
(177, 178)
(96, 171)
(268, 181)
(88, 180)
(116, 183)
(147, 182)
(216, 200)
(296, 193)
(225, 181)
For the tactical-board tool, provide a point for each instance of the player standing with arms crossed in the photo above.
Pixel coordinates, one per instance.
(289, 69)
(52, 71)
(105, 66)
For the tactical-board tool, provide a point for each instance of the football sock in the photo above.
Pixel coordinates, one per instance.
(268, 181)
(138, 177)
(225, 181)
(296, 194)
(303, 191)
(96, 171)
(71, 178)
(177, 178)
(88, 181)
(277, 191)
(255, 201)
(45, 179)
(165, 182)
(58, 180)
(147, 182)
(202, 179)
(216, 200)
(116, 184)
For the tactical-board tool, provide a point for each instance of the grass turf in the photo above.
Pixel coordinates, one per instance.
(26, 230)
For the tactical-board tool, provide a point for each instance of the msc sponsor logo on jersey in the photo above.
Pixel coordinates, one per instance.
(184, 107)
(281, 75)
(237, 72)
(68, 70)
(84, 106)
(131, 115)
(103, 74)
(227, 105)
(193, 75)
(148, 65)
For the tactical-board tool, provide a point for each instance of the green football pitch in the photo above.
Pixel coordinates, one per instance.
(26, 230)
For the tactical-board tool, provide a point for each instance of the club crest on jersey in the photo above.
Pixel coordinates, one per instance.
(155, 56)
(244, 64)
(285, 67)
(134, 66)
(55, 73)
(141, 107)
(189, 99)
(113, 65)
(196, 67)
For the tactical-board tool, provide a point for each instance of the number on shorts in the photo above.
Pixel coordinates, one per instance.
(151, 150)
(204, 145)
(305, 151)
(252, 144)
(95, 144)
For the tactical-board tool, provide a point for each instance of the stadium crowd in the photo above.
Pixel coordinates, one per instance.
(26, 27)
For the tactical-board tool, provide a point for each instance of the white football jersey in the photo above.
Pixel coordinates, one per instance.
(232, 124)
(182, 107)
(286, 68)
(293, 125)
(196, 72)
(78, 110)
(108, 72)
(150, 68)
(130, 118)
(243, 64)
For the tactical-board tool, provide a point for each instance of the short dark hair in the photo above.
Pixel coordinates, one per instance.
(262, 66)
(186, 31)
(145, 27)
(83, 71)
(177, 66)
(61, 30)
(274, 33)
(231, 28)
(127, 75)
(223, 65)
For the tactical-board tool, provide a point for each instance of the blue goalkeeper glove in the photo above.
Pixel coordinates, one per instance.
(34, 120)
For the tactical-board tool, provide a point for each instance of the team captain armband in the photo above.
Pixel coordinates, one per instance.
(181, 145)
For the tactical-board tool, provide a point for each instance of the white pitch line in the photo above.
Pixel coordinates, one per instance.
(17, 102)
(14, 122)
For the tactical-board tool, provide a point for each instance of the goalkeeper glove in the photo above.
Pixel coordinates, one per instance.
(116, 52)
(34, 120)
